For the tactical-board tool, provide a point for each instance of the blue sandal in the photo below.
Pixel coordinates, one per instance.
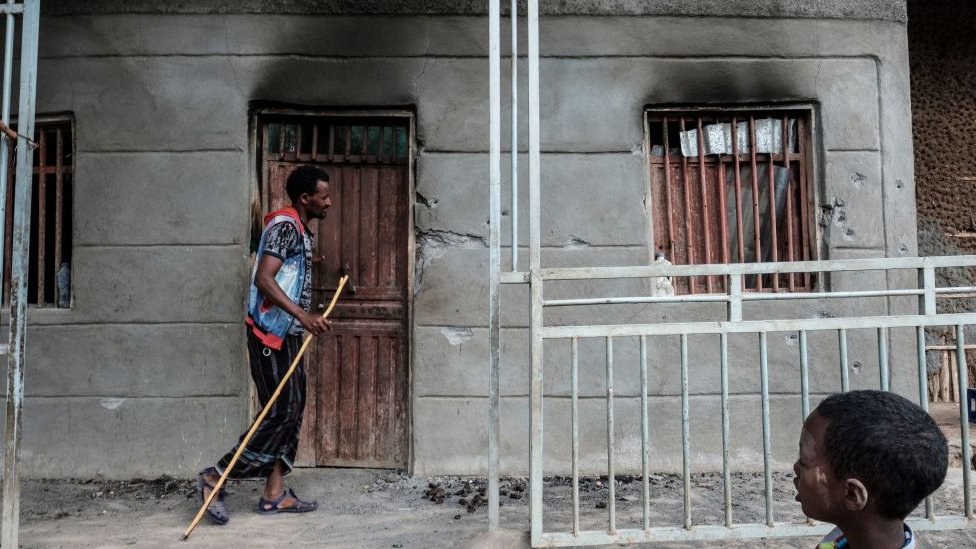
(216, 510)
(272, 506)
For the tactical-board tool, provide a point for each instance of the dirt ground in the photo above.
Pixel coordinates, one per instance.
(382, 509)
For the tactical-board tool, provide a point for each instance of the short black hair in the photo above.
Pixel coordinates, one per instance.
(303, 180)
(888, 443)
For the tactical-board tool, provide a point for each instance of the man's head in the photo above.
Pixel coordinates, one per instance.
(308, 189)
(868, 452)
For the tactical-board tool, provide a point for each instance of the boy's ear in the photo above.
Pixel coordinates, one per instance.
(855, 495)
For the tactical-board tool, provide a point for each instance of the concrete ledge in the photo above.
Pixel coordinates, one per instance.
(894, 10)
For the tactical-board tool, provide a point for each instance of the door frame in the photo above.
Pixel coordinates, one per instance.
(259, 109)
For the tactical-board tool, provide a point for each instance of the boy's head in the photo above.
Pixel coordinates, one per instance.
(868, 451)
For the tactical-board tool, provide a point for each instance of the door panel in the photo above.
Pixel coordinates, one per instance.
(356, 412)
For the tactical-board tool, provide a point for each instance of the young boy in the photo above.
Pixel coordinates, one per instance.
(867, 458)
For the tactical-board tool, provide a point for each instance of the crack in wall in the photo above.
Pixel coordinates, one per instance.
(434, 244)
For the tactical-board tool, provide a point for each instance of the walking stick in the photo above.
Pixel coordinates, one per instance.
(257, 421)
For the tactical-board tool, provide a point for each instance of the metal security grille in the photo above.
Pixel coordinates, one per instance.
(49, 282)
(731, 187)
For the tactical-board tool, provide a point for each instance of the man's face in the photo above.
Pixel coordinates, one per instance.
(319, 201)
(819, 491)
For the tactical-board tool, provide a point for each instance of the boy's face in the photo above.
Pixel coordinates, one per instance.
(820, 493)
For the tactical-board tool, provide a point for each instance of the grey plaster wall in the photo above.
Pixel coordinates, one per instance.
(153, 344)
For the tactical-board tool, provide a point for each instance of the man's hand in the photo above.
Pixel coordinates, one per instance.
(314, 324)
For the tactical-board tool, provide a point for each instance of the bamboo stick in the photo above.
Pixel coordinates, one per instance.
(260, 418)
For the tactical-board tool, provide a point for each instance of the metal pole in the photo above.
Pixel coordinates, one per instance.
(536, 431)
(515, 187)
(963, 372)
(923, 397)
(494, 269)
(611, 481)
(8, 69)
(767, 443)
(883, 358)
(10, 517)
(726, 427)
(845, 380)
(685, 431)
(804, 375)
(645, 438)
(575, 420)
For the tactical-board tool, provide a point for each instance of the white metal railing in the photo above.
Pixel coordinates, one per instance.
(733, 323)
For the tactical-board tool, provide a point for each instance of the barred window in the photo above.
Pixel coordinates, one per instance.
(724, 195)
(49, 267)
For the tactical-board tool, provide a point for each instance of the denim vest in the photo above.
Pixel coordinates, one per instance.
(269, 322)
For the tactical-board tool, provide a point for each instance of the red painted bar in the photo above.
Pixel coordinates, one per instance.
(789, 200)
(757, 222)
(668, 190)
(738, 192)
(687, 188)
(706, 218)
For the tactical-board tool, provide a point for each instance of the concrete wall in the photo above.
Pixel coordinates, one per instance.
(145, 374)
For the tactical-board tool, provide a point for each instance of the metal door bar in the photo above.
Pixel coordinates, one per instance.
(10, 515)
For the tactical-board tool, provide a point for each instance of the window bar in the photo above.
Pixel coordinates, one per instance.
(299, 134)
(774, 241)
(790, 220)
(845, 381)
(281, 141)
(348, 153)
(723, 207)
(805, 232)
(58, 204)
(266, 150)
(668, 189)
(379, 148)
(575, 421)
(685, 431)
(767, 443)
(41, 214)
(704, 203)
(364, 149)
(332, 142)
(923, 397)
(804, 375)
(883, 357)
(645, 438)
(963, 371)
(315, 142)
(611, 481)
(726, 472)
(689, 245)
(738, 193)
(756, 222)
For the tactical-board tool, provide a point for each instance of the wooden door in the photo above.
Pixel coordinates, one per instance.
(356, 415)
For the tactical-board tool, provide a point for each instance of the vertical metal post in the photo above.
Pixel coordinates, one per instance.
(5, 144)
(883, 358)
(611, 477)
(726, 470)
(515, 186)
(645, 439)
(685, 431)
(845, 380)
(535, 254)
(767, 443)
(575, 420)
(10, 516)
(963, 372)
(804, 374)
(494, 252)
(923, 397)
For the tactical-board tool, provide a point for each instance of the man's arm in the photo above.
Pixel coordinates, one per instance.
(264, 279)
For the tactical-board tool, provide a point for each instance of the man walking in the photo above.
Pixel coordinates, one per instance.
(278, 315)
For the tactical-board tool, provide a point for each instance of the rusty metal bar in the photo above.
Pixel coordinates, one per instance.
(790, 219)
(315, 142)
(331, 142)
(804, 216)
(299, 136)
(58, 207)
(706, 218)
(10, 515)
(723, 207)
(773, 226)
(41, 216)
(265, 169)
(281, 140)
(668, 190)
(756, 221)
(738, 192)
(689, 243)
(348, 152)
